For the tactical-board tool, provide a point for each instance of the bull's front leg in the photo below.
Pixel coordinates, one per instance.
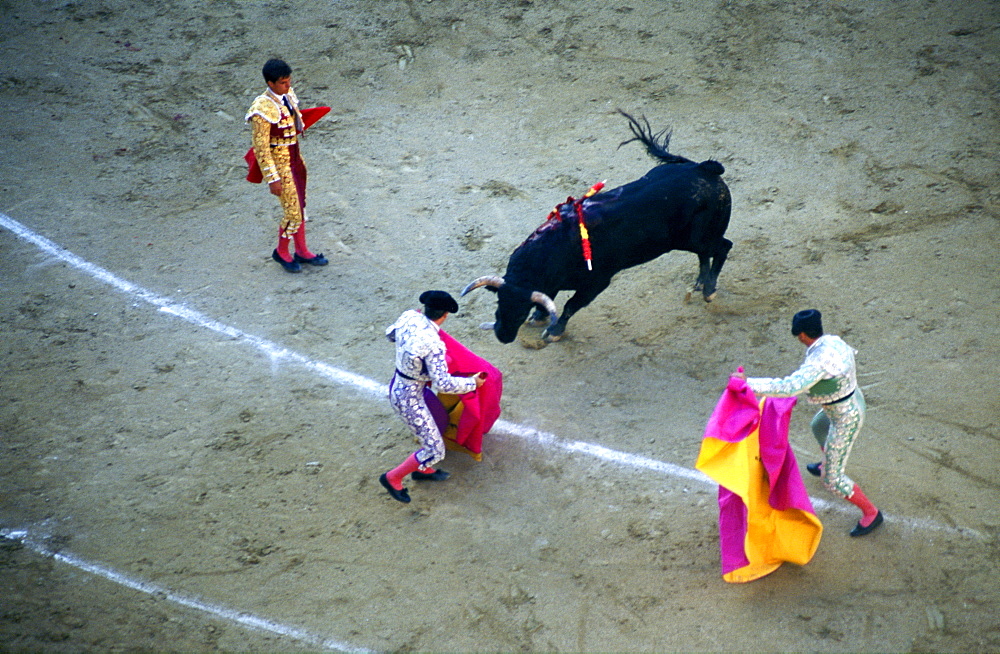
(580, 299)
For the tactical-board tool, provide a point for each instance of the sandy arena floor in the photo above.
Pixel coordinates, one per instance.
(190, 439)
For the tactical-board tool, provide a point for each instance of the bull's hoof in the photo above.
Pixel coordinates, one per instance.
(551, 338)
(538, 319)
(687, 297)
(710, 297)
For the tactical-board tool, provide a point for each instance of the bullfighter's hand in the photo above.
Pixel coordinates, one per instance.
(480, 378)
(275, 187)
(739, 374)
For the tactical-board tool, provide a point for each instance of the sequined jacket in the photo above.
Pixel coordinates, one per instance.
(420, 354)
(273, 126)
(827, 374)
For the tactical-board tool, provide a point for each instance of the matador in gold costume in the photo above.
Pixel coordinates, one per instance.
(277, 122)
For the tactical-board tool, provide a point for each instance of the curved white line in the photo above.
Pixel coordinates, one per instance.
(279, 353)
(37, 545)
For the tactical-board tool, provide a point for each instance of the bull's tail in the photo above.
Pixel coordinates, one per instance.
(711, 167)
(656, 144)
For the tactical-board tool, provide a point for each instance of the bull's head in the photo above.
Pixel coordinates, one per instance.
(513, 306)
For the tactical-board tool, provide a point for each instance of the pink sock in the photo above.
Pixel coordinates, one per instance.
(283, 243)
(859, 500)
(300, 243)
(395, 476)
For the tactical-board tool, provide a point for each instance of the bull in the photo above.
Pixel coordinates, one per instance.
(677, 205)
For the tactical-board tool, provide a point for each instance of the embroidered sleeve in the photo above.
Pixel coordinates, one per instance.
(261, 138)
(796, 383)
(444, 382)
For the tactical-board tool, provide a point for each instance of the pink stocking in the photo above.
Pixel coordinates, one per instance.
(395, 476)
(859, 500)
(283, 243)
(300, 243)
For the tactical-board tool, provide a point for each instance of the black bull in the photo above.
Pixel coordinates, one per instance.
(678, 205)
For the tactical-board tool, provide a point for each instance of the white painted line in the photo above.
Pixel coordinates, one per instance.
(644, 463)
(276, 352)
(246, 619)
(279, 354)
(600, 452)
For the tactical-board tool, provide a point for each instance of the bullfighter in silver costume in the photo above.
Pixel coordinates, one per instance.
(828, 377)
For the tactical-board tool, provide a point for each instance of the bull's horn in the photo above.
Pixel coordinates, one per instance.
(488, 280)
(541, 298)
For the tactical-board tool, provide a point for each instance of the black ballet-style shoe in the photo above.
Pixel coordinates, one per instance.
(318, 260)
(864, 531)
(437, 475)
(401, 495)
(814, 469)
(290, 266)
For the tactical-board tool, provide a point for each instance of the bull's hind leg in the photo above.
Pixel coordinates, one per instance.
(704, 269)
(718, 259)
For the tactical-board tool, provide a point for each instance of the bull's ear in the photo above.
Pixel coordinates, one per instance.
(492, 289)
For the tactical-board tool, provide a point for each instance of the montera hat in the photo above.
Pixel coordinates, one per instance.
(440, 300)
(809, 321)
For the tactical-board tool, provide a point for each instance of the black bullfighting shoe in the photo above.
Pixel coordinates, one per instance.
(318, 260)
(290, 266)
(401, 495)
(864, 531)
(437, 475)
(814, 469)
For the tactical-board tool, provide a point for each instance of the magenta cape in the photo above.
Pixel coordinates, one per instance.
(471, 415)
(765, 515)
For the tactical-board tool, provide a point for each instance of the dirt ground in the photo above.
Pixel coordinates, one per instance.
(240, 484)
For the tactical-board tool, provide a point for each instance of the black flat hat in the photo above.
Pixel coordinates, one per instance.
(809, 320)
(440, 300)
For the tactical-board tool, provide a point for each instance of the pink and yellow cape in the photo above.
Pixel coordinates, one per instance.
(765, 515)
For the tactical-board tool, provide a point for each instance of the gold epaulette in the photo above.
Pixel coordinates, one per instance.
(266, 108)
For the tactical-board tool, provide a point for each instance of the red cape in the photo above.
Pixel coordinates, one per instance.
(473, 414)
(309, 117)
